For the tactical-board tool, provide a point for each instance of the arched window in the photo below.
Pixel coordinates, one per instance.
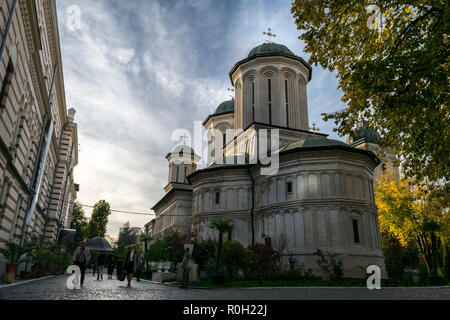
(270, 99)
(6, 84)
(253, 101)
(287, 102)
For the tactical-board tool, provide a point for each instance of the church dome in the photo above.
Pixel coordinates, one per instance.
(314, 143)
(270, 49)
(368, 135)
(225, 107)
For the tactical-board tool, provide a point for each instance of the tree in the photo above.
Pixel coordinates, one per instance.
(79, 223)
(99, 219)
(222, 226)
(126, 238)
(396, 76)
(234, 256)
(414, 213)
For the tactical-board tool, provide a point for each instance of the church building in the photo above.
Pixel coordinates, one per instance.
(320, 195)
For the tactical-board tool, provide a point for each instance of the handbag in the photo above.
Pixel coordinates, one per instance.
(122, 276)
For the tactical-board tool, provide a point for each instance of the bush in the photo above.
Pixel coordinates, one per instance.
(330, 266)
(262, 262)
(203, 252)
(234, 257)
(170, 248)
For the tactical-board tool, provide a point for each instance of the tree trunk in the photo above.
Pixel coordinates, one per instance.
(219, 252)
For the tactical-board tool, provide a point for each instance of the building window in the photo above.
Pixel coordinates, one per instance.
(178, 174)
(355, 231)
(217, 197)
(289, 187)
(287, 103)
(268, 242)
(270, 101)
(6, 84)
(253, 100)
(185, 174)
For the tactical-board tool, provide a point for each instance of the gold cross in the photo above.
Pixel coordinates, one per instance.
(185, 138)
(232, 93)
(270, 35)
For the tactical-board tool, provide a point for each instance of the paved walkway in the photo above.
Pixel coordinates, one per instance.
(55, 288)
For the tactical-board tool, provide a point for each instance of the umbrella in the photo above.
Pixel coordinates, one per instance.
(99, 244)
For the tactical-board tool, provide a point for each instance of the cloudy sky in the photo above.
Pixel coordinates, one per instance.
(137, 70)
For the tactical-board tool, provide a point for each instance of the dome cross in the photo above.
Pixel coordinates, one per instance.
(269, 35)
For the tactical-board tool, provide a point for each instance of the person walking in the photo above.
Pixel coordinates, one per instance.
(186, 266)
(140, 268)
(81, 257)
(119, 267)
(100, 264)
(131, 263)
(110, 267)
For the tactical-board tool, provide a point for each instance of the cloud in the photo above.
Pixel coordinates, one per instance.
(137, 70)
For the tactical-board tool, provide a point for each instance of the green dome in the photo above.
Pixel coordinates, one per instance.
(309, 142)
(270, 48)
(367, 134)
(225, 107)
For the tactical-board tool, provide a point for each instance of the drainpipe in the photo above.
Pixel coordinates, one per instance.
(32, 200)
(8, 26)
(252, 218)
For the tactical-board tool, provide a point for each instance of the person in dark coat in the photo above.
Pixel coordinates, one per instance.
(131, 263)
(186, 266)
(119, 267)
(110, 266)
(100, 263)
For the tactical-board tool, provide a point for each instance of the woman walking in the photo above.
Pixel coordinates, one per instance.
(131, 263)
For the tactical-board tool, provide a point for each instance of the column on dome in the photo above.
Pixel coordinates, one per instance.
(238, 104)
(303, 99)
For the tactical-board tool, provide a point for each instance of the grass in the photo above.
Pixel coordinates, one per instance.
(313, 282)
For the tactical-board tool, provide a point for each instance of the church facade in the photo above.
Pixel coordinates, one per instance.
(317, 194)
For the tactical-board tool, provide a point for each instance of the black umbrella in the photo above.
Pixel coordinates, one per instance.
(99, 244)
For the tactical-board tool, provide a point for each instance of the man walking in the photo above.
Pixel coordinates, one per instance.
(81, 257)
(186, 266)
(100, 263)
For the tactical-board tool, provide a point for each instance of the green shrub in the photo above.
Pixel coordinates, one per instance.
(234, 257)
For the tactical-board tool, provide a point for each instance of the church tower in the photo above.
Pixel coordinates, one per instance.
(368, 139)
(182, 162)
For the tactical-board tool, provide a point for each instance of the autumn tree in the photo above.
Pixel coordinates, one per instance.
(392, 64)
(79, 223)
(99, 219)
(414, 213)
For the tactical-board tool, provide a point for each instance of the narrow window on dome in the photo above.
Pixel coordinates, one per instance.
(287, 103)
(178, 174)
(253, 100)
(270, 101)
(217, 197)
(355, 231)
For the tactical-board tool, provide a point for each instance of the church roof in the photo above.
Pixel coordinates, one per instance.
(270, 49)
(225, 107)
(319, 142)
(368, 135)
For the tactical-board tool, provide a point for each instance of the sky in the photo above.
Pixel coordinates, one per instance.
(137, 70)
